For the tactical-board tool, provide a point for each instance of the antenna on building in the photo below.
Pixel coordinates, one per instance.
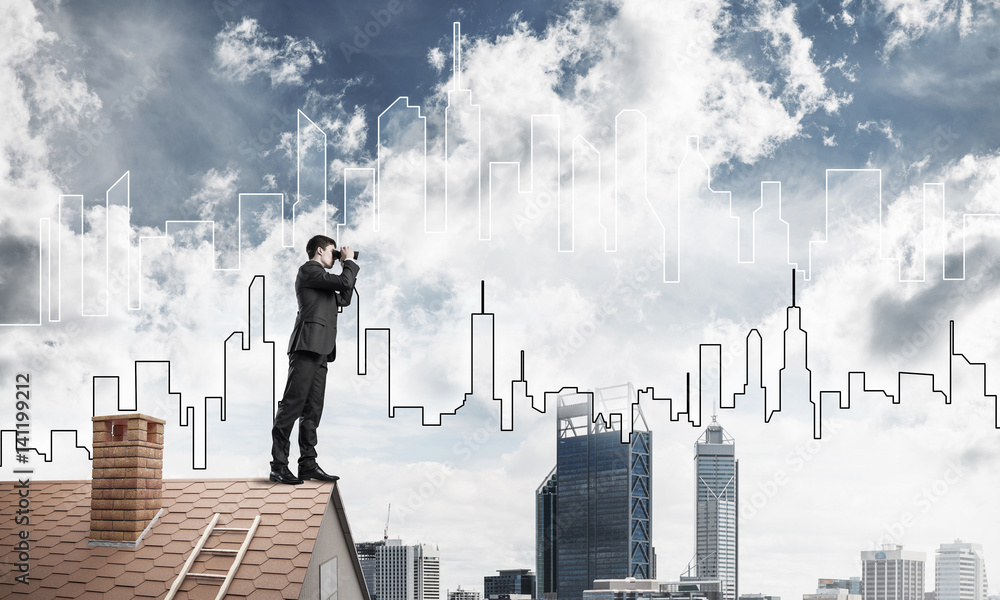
(456, 54)
(793, 286)
(385, 534)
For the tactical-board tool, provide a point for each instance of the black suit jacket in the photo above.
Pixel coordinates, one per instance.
(319, 294)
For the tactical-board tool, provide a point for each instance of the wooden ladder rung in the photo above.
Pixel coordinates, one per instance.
(200, 547)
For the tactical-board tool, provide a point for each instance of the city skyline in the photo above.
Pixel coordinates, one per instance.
(517, 213)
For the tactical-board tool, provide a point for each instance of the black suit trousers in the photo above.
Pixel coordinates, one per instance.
(302, 401)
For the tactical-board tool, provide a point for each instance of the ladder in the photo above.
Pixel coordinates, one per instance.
(200, 547)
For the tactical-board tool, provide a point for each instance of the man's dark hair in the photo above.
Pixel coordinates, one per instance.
(317, 242)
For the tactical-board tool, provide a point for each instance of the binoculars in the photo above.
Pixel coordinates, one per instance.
(336, 254)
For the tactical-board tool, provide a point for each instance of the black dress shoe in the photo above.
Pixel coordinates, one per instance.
(316, 473)
(284, 475)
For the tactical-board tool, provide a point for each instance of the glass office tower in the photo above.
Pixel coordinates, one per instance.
(600, 520)
(545, 535)
(716, 477)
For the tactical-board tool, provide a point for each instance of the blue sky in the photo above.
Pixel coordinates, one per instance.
(199, 103)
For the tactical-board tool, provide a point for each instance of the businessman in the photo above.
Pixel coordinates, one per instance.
(312, 345)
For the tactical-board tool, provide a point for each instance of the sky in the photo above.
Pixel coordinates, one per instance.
(616, 183)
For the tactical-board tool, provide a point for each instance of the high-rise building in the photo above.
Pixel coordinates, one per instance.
(960, 572)
(407, 572)
(892, 574)
(596, 522)
(461, 594)
(652, 589)
(831, 593)
(716, 498)
(367, 555)
(509, 581)
(852, 585)
(545, 535)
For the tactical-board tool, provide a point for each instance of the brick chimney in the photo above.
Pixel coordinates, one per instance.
(127, 490)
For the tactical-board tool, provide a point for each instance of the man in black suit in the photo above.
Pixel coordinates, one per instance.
(313, 344)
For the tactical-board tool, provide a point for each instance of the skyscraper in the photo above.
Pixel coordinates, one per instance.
(509, 581)
(892, 574)
(852, 585)
(407, 572)
(960, 572)
(461, 594)
(716, 496)
(599, 519)
(545, 535)
(367, 555)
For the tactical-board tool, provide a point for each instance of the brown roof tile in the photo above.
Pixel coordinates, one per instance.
(266, 594)
(286, 552)
(187, 535)
(291, 590)
(274, 567)
(238, 487)
(286, 538)
(171, 560)
(287, 526)
(297, 514)
(177, 547)
(271, 581)
(250, 572)
(147, 551)
(254, 557)
(200, 512)
(119, 593)
(227, 507)
(272, 509)
(301, 560)
(214, 563)
(130, 579)
(161, 574)
(195, 488)
(139, 565)
(122, 557)
(149, 589)
(80, 575)
(70, 590)
(241, 587)
(101, 585)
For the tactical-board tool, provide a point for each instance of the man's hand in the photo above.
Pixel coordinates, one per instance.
(346, 254)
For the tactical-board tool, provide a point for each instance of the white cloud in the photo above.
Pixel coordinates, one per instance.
(42, 96)
(910, 20)
(216, 188)
(805, 86)
(884, 127)
(244, 50)
(270, 182)
(346, 128)
(436, 58)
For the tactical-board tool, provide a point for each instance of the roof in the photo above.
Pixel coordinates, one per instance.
(64, 565)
